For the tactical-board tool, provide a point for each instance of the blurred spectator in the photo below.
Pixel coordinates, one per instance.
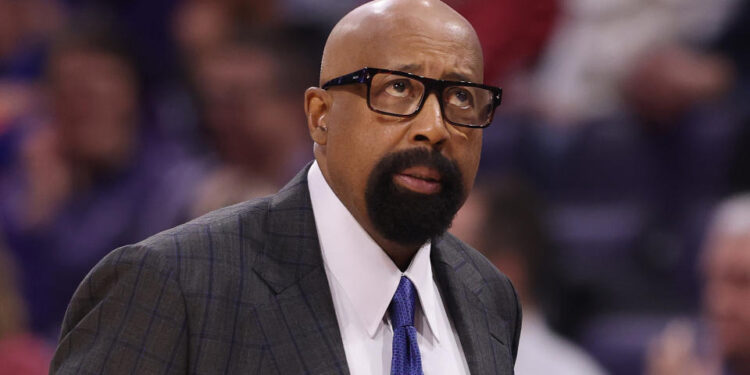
(198, 26)
(504, 219)
(626, 209)
(598, 44)
(212, 33)
(681, 349)
(678, 80)
(89, 180)
(249, 97)
(143, 23)
(17, 106)
(629, 124)
(255, 14)
(25, 28)
(20, 351)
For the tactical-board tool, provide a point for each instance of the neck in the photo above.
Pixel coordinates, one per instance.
(400, 254)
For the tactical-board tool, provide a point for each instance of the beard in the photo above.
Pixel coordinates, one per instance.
(407, 217)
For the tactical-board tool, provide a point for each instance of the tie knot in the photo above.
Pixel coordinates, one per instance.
(402, 305)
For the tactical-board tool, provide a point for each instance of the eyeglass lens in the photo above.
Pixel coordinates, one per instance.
(400, 95)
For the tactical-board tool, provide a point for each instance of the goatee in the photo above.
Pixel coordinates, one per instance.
(408, 217)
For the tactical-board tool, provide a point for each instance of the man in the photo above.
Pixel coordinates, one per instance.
(723, 345)
(347, 269)
(89, 175)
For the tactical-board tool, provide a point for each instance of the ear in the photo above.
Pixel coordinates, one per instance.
(317, 105)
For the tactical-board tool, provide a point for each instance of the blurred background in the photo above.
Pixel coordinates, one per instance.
(610, 190)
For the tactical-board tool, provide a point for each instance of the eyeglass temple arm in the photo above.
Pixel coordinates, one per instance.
(360, 76)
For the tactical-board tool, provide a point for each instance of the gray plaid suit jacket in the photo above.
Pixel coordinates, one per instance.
(243, 290)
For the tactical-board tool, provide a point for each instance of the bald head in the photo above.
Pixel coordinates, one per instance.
(378, 33)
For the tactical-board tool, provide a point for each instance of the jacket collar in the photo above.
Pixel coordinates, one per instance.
(463, 289)
(291, 248)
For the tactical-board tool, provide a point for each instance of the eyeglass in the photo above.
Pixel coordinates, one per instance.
(402, 94)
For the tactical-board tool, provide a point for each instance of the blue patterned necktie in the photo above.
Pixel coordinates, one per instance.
(406, 358)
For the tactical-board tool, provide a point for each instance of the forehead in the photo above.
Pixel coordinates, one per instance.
(421, 45)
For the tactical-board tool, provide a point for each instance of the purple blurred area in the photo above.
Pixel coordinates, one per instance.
(624, 124)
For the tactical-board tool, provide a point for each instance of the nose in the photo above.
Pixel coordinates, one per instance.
(429, 126)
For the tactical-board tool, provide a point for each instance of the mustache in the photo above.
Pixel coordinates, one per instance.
(398, 161)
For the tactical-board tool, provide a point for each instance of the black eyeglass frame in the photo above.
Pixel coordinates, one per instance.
(431, 85)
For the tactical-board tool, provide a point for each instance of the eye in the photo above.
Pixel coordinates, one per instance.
(400, 88)
(460, 98)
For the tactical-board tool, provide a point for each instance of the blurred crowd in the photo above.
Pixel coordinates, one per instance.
(612, 190)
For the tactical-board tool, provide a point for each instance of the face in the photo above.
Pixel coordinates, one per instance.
(727, 292)
(357, 139)
(234, 83)
(95, 103)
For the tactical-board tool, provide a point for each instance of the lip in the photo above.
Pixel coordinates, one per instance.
(420, 179)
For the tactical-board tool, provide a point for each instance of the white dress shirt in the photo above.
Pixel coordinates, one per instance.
(363, 280)
(541, 351)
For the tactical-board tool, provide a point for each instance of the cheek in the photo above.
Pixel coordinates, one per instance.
(348, 136)
(352, 149)
(358, 136)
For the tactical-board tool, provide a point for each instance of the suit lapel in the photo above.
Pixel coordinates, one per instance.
(300, 326)
(478, 329)
(303, 334)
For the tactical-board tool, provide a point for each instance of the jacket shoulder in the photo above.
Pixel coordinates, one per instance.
(244, 220)
(155, 288)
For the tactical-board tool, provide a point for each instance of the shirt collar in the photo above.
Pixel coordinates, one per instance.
(367, 275)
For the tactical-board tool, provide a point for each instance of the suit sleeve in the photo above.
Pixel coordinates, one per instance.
(128, 316)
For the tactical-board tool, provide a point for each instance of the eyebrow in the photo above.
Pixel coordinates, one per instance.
(453, 76)
(414, 68)
(409, 68)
